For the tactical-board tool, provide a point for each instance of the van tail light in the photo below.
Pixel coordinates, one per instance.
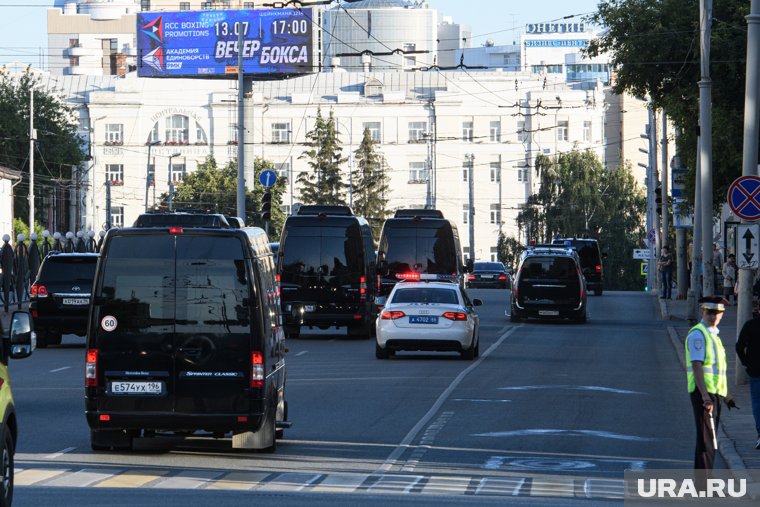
(598, 268)
(91, 368)
(502, 277)
(257, 370)
(38, 291)
(175, 230)
(455, 316)
(362, 289)
(392, 315)
(378, 283)
(471, 277)
(277, 285)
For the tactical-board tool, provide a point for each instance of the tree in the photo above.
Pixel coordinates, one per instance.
(214, 190)
(58, 147)
(508, 251)
(323, 184)
(370, 184)
(654, 49)
(578, 197)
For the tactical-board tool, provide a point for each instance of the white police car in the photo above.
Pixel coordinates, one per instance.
(423, 313)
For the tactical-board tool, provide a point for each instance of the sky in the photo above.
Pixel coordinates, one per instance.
(24, 33)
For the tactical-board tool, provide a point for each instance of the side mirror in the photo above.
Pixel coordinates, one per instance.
(20, 335)
(477, 302)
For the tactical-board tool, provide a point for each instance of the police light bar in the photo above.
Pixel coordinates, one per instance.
(413, 277)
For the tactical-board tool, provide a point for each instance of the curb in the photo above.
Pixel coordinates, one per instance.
(726, 445)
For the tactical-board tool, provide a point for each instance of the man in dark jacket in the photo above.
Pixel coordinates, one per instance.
(748, 350)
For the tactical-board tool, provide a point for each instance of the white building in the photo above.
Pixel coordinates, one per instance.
(8, 178)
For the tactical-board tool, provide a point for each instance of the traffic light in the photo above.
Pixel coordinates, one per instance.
(658, 198)
(266, 206)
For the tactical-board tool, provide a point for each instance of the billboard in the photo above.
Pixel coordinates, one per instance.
(205, 43)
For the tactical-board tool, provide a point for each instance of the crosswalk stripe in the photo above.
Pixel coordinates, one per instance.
(441, 485)
(552, 486)
(189, 479)
(290, 482)
(340, 483)
(132, 479)
(395, 483)
(604, 488)
(239, 481)
(31, 476)
(511, 486)
(81, 478)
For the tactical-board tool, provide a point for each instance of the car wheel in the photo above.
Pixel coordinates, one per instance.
(380, 352)
(42, 338)
(513, 316)
(582, 317)
(54, 338)
(6, 469)
(472, 351)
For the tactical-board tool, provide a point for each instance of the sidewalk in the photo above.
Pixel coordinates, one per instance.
(737, 435)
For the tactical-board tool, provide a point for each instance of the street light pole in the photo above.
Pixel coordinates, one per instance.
(705, 155)
(32, 137)
(471, 211)
(171, 181)
(147, 173)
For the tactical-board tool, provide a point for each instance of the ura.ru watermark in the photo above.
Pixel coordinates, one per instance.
(691, 487)
(688, 488)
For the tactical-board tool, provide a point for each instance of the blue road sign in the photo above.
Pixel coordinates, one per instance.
(744, 197)
(652, 235)
(267, 178)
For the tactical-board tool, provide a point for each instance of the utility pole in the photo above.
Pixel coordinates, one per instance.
(677, 190)
(692, 296)
(705, 152)
(171, 180)
(651, 215)
(749, 163)
(32, 138)
(147, 173)
(665, 193)
(108, 203)
(241, 129)
(655, 210)
(471, 211)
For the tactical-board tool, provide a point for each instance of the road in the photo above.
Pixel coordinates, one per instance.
(551, 414)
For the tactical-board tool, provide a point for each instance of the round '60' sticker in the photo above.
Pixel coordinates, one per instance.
(108, 323)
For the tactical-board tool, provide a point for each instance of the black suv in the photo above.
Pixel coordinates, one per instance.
(591, 261)
(549, 284)
(60, 296)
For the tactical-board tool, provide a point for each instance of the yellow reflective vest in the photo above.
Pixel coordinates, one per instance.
(714, 366)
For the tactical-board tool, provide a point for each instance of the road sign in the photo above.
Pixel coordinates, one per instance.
(641, 254)
(267, 178)
(644, 268)
(678, 182)
(744, 197)
(747, 246)
(681, 220)
(652, 236)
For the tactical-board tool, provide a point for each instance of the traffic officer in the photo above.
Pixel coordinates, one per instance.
(706, 378)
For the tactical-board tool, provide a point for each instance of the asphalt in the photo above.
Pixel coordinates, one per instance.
(736, 435)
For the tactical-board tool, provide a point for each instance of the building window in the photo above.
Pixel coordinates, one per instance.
(153, 134)
(418, 172)
(117, 216)
(587, 131)
(494, 132)
(283, 170)
(73, 43)
(206, 5)
(114, 134)
(280, 133)
(177, 129)
(466, 252)
(467, 131)
(495, 214)
(249, 5)
(494, 254)
(286, 209)
(144, 5)
(177, 171)
(200, 134)
(522, 173)
(410, 61)
(548, 69)
(522, 135)
(465, 214)
(115, 174)
(151, 175)
(465, 170)
(495, 172)
(184, 6)
(417, 131)
(374, 130)
(562, 130)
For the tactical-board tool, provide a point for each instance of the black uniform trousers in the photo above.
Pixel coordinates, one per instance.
(704, 454)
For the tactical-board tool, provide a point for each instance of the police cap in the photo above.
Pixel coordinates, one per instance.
(716, 303)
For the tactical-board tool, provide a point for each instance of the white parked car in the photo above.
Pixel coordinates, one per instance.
(428, 315)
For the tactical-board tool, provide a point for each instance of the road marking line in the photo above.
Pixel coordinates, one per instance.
(291, 481)
(395, 484)
(60, 369)
(59, 453)
(239, 481)
(500, 486)
(34, 475)
(404, 445)
(188, 480)
(301, 353)
(340, 483)
(132, 479)
(552, 486)
(442, 485)
(82, 478)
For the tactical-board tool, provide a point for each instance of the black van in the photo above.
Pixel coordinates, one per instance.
(185, 336)
(591, 261)
(417, 241)
(326, 265)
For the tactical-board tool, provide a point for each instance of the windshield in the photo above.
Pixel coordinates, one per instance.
(334, 253)
(548, 268)
(423, 249)
(488, 266)
(425, 295)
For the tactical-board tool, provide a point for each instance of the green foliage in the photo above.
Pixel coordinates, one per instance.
(370, 184)
(323, 184)
(579, 197)
(58, 145)
(214, 190)
(508, 251)
(655, 49)
(21, 227)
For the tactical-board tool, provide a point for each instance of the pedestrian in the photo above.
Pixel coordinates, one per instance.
(729, 278)
(6, 263)
(20, 268)
(665, 266)
(748, 351)
(717, 257)
(707, 380)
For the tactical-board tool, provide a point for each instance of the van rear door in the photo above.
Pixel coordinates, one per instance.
(549, 280)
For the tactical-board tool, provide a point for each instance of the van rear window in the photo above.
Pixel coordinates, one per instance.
(548, 267)
(422, 249)
(323, 251)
